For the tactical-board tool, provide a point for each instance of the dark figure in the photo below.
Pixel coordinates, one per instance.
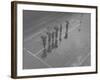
(60, 33)
(80, 26)
(49, 41)
(53, 35)
(66, 33)
(56, 37)
(44, 38)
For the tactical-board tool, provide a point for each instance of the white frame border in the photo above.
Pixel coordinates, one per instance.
(35, 72)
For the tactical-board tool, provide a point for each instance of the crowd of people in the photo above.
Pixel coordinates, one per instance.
(52, 38)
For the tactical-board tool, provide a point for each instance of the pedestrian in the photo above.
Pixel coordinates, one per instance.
(53, 39)
(49, 41)
(66, 33)
(56, 36)
(60, 35)
(44, 38)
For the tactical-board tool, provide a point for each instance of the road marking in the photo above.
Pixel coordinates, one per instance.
(38, 58)
(34, 35)
(81, 62)
(39, 51)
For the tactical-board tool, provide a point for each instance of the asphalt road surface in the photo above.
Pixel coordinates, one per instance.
(71, 52)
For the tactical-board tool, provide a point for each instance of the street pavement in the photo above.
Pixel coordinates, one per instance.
(71, 52)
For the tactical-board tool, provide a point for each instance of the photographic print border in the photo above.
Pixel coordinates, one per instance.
(14, 37)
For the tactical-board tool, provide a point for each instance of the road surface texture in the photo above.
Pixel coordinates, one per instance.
(73, 51)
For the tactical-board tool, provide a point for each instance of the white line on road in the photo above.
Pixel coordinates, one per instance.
(38, 58)
(74, 28)
(34, 35)
(39, 51)
(81, 62)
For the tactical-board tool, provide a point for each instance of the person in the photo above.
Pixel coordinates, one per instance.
(53, 39)
(80, 26)
(66, 33)
(49, 41)
(56, 36)
(60, 39)
(44, 38)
